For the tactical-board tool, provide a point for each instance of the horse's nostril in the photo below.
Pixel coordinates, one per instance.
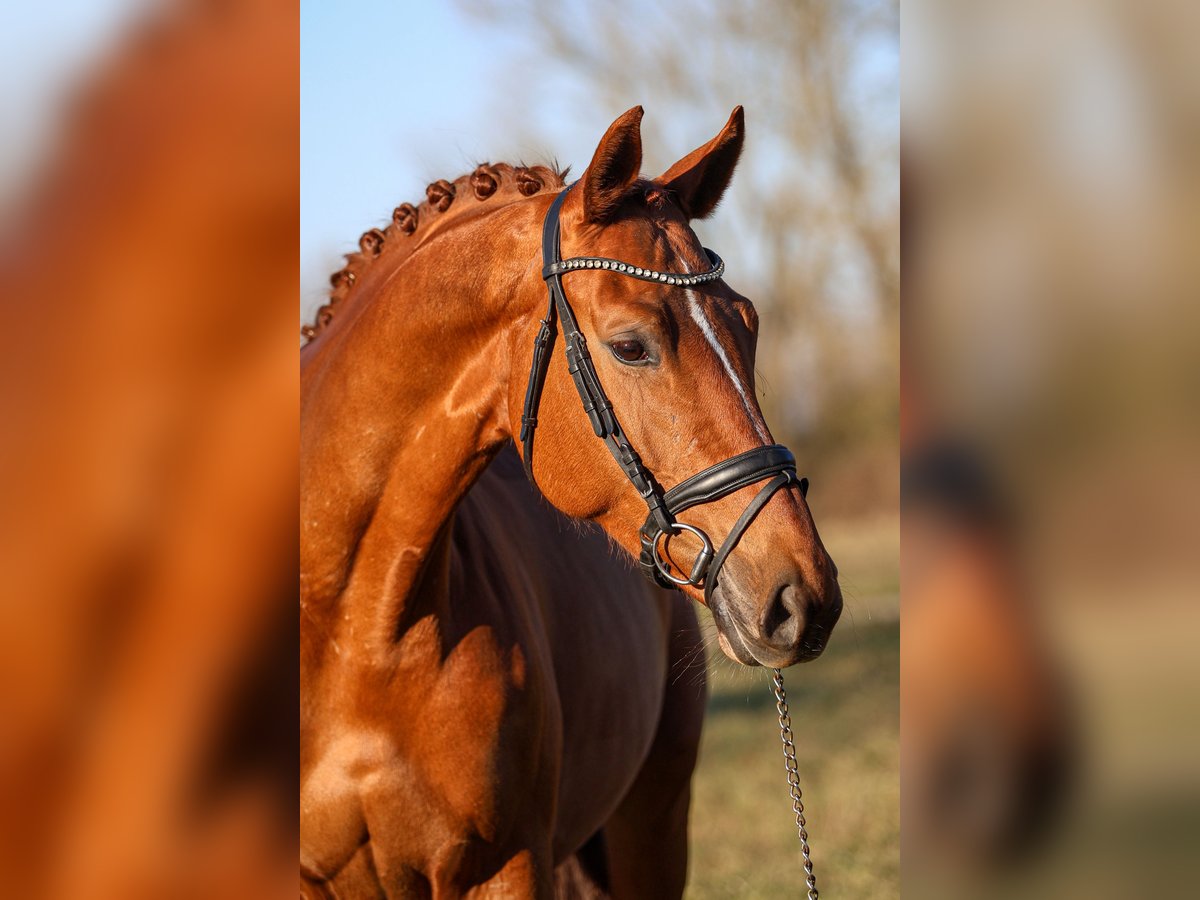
(782, 620)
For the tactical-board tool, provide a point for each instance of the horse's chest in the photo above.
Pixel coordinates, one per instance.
(449, 748)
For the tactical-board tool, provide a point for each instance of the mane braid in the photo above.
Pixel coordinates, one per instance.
(488, 186)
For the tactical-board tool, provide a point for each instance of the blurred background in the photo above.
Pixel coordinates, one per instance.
(395, 96)
(1051, 228)
(148, 276)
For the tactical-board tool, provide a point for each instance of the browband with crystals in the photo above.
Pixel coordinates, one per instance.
(602, 262)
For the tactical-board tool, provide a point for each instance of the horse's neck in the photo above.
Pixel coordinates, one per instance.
(402, 411)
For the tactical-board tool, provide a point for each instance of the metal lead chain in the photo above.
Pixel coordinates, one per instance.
(793, 777)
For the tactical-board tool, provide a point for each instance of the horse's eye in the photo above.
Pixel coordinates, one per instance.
(629, 351)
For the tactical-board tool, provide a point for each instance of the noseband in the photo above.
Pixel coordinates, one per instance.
(774, 461)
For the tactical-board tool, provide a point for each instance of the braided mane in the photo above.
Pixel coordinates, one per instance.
(489, 186)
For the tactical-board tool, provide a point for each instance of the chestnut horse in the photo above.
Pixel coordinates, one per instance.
(492, 703)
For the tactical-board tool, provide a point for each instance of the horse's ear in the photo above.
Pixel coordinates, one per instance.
(614, 167)
(700, 178)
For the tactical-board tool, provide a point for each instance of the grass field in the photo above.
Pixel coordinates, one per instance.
(845, 712)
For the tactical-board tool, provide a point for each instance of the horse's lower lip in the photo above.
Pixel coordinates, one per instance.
(748, 653)
(729, 636)
(783, 660)
(807, 651)
(735, 646)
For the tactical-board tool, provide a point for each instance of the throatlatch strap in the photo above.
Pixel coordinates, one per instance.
(538, 367)
(544, 342)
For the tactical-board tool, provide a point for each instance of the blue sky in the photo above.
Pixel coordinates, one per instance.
(430, 73)
(361, 157)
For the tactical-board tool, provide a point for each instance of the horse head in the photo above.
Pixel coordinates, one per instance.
(673, 349)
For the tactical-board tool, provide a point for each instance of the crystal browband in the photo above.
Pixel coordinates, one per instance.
(615, 265)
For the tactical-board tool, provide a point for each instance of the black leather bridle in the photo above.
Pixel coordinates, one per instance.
(774, 462)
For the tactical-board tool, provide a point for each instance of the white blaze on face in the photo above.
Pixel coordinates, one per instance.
(706, 329)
